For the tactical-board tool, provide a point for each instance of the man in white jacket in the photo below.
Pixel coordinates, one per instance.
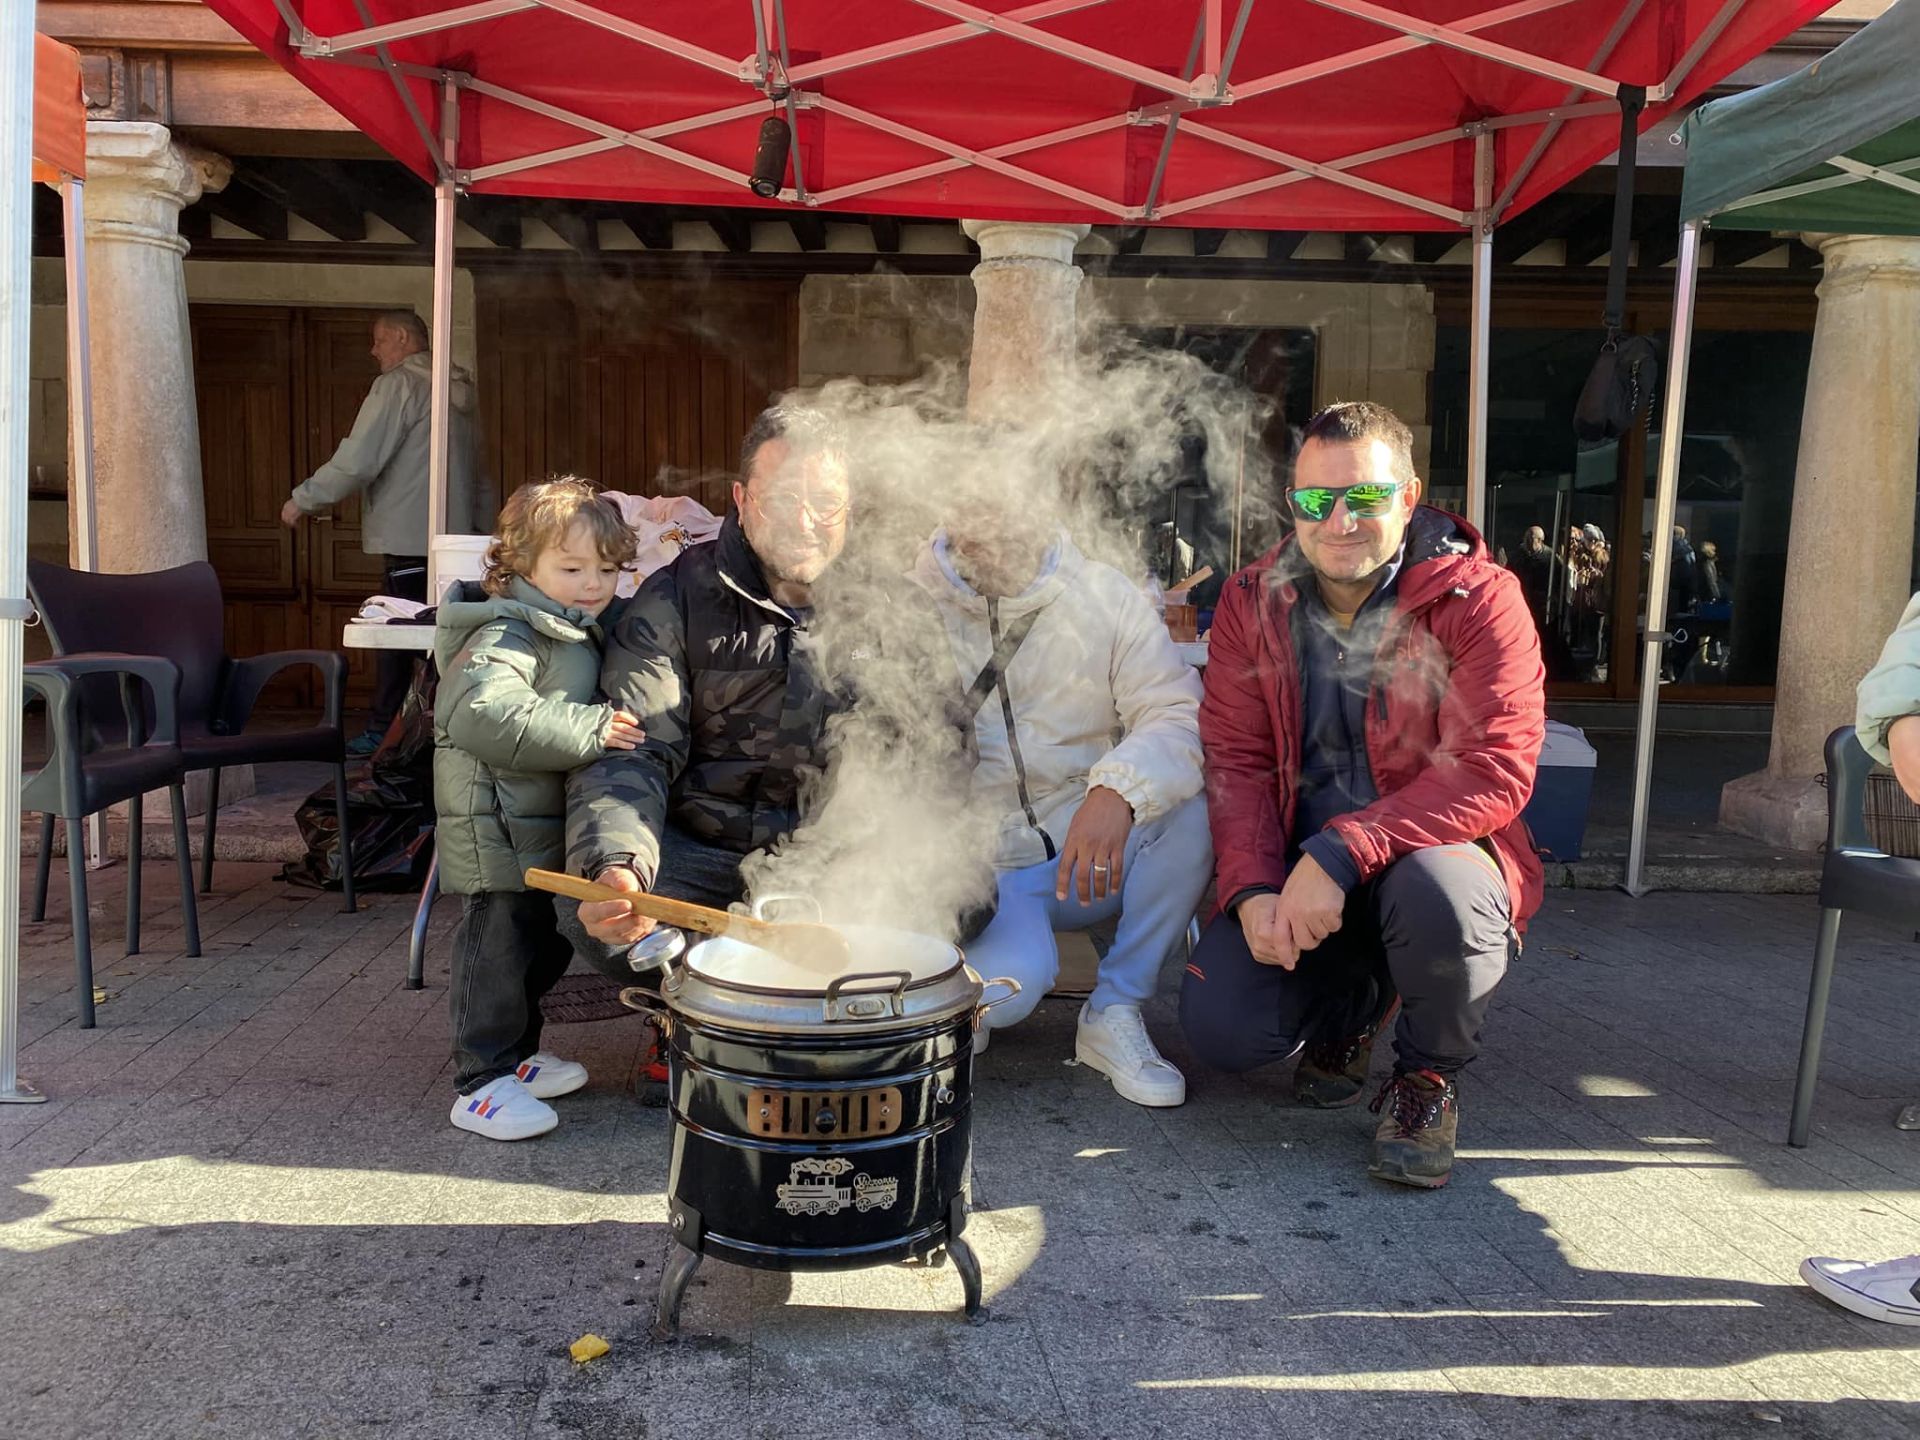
(1089, 741)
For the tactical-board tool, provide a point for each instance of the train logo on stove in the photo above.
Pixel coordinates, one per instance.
(813, 1188)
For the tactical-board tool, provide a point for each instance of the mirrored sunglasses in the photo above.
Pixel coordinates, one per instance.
(1364, 502)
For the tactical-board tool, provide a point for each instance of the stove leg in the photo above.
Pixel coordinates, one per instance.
(968, 1265)
(673, 1286)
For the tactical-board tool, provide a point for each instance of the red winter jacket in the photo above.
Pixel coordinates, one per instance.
(1455, 716)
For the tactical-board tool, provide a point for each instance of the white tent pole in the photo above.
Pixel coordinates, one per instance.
(439, 432)
(16, 243)
(1672, 430)
(1481, 332)
(86, 510)
(80, 378)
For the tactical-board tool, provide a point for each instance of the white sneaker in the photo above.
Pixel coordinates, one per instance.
(546, 1075)
(1880, 1292)
(503, 1109)
(1115, 1042)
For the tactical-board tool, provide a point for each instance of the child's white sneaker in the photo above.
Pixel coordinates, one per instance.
(546, 1075)
(504, 1109)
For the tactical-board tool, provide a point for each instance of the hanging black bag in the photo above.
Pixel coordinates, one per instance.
(1621, 385)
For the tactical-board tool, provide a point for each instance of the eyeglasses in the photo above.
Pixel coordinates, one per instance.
(1368, 501)
(783, 505)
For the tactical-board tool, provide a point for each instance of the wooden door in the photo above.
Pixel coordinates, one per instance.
(276, 389)
(337, 369)
(644, 386)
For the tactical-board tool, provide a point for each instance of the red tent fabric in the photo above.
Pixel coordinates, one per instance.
(1284, 114)
(59, 112)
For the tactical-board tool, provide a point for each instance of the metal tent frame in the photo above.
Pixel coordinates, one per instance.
(1206, 83)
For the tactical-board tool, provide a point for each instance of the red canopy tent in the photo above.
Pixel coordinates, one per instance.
(1295, 114)
(1277, 114)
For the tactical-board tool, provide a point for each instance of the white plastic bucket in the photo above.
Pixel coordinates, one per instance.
(458, 557)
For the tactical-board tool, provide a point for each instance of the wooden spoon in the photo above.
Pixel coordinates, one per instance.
(820, 948)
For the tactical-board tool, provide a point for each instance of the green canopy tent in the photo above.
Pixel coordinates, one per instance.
(1832, 148)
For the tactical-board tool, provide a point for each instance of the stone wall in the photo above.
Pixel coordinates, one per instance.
(1374, 342)
(883, 328)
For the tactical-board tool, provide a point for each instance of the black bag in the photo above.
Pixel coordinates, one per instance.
(1620, 387)
(389, 809)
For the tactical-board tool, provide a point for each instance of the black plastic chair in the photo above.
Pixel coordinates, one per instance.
(179, 614)
(84, 775)
(1859, 877)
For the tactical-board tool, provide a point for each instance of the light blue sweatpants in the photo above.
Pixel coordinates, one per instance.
(1168, 863)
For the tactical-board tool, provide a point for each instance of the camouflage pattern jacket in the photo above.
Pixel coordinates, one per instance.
(729, 690)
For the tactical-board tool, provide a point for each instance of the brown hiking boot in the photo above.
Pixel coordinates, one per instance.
(1333, 1071)
(1419, 1119)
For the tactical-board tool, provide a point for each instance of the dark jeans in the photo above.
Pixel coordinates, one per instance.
(1434, 926)
(690, 870)
(405, 576)
(507, 953)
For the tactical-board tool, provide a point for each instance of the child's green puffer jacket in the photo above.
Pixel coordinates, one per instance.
(512, 717)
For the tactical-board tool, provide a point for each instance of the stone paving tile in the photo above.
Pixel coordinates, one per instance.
(243, 1213)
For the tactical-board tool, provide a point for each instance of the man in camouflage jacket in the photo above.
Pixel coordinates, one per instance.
(713, 656)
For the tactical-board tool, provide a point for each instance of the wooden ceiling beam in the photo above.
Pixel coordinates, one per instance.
(809, 230)
(249, 209)
(652, 225)
(733, 228)
(495, 216)
(1731, 247)
(1552, 219)
(395, 195)
(308, 190)
(1282, 243)
(573, 223)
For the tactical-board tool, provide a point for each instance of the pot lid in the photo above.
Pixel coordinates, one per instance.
(875, 951)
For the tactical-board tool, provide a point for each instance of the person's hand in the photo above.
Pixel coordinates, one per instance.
(290, 513)
(612, 922)
(625, 733)
(1096, 845)
(1311, 904)
(1903, 740)
(1269, 940)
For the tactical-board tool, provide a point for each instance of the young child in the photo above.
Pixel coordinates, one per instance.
(519, 658)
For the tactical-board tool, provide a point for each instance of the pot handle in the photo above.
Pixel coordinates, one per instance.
(1013, 989)
(866, 1004)
(762, 902)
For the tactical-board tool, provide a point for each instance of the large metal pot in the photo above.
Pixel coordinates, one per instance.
(819, 1122)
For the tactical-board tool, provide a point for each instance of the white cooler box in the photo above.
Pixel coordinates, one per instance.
(1562, 789)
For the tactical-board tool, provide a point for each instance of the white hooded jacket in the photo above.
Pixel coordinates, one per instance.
(1097, 694)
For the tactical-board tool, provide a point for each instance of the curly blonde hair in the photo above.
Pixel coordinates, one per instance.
(540, 515)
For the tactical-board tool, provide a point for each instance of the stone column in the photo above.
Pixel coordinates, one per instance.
(1023, 324)
(149, 500)
(1850, 555)
(146, 431)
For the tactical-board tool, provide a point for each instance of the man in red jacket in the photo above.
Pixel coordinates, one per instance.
(1373, 712)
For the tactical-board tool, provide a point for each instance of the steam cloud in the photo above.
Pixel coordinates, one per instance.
(892, 838)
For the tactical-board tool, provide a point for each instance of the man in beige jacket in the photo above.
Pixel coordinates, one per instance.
(384, 460)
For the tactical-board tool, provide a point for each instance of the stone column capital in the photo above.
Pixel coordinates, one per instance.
(1864, 259)
(1024, 240)
(139, 178)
